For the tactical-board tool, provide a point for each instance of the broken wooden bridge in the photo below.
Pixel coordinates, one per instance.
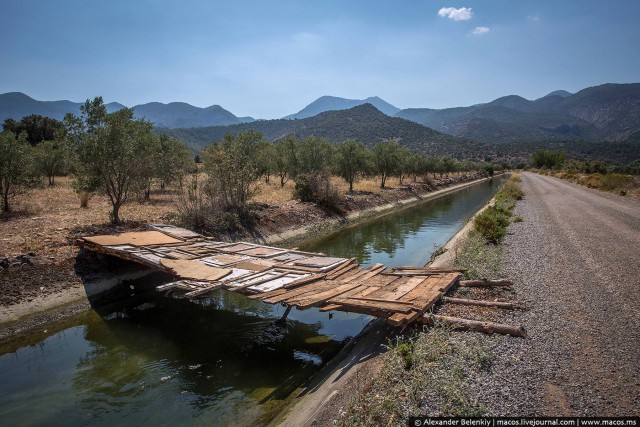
(291, 277)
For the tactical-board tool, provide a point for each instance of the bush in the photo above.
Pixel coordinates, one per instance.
(492, 224)
(317, 188)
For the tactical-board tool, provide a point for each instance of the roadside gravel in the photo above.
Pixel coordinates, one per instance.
(575, 262)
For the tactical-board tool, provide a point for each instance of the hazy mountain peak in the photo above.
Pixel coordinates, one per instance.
(562, 93)
(333, 103)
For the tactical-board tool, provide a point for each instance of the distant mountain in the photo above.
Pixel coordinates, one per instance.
(183, 115)
(609, 112)
(332, 103)
(363, 123)
(175, 114)
(560, 93)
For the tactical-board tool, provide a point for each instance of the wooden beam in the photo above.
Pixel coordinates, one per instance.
(485, 283)
(481, 303)
(475, 325)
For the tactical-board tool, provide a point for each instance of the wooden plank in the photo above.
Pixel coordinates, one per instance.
(373, 305)
(347, 265)
(421, 288)
(318, 262)
(202, 291)
(321, 297)
(305, 281)
(399, 288)
(365, 274)
(135, 238)
(365, 298)
(296, 296)
(190, 269)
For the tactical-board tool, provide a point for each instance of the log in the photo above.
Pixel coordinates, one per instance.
(481, 303)
(475, 325)
(485, 283)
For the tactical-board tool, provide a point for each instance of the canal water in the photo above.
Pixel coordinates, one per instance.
(220, 361)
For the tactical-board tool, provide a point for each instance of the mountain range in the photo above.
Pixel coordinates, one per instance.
(365, 123)
(598, 122)
(16, 105)
(609, 112)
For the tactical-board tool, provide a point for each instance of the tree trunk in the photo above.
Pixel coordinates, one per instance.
(481, 303)
(485, 283)
(351, 185)
(475, 325)
(116, 214)
(383, 179)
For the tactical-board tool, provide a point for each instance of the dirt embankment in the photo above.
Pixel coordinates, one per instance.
(39, 264)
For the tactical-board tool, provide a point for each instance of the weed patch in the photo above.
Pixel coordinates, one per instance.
(434, 383)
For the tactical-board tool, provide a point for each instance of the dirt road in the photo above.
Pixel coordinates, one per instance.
(575, 260)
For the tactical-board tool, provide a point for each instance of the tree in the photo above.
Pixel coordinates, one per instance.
(37, 128)
(352, 161)
(266, 159)
(51, 159)
(385, 158)
(172, 161)
(112, 153)
(15, 167)
(403, 165)
(548, 159)
(232, 166)
(315, 155)
(285, 162)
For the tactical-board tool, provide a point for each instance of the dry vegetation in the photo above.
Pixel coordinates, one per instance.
(46, 219)
(624, 185)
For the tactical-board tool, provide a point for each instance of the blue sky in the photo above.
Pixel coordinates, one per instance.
(268, 59)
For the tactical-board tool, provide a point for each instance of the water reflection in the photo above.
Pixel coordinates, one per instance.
(409, 236)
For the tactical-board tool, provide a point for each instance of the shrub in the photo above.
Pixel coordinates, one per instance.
(491, 224)
(317, 188)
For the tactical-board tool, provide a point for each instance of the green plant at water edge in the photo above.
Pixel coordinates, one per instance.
(477, 258)
(492, 223)
(435, 384)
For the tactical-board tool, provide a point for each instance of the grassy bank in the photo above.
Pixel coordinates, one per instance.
(425, 371)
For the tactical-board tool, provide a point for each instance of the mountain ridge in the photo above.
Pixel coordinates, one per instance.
(16, 105)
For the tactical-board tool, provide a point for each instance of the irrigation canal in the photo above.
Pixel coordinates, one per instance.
(160, 361)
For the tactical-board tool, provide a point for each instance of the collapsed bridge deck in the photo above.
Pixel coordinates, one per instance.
(275, 275)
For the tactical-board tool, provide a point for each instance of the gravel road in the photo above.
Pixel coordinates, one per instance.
(575, 262)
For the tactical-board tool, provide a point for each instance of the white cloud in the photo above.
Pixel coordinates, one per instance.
(461, 14)
(480, 30)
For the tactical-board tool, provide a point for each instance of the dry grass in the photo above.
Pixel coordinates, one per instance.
(273, 194)
(44, 218)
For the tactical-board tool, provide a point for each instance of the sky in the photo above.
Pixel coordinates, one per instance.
(268, 59)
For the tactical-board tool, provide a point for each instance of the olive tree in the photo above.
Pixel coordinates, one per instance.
(111, 155)
(232, 167)
(385, 159)
(15, 167)
(352, 161)
(53, 158)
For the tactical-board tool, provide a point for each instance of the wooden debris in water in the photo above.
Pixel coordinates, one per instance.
(293, 278)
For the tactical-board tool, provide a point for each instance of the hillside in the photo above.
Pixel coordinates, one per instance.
(364, 123)
(609, 112)
(333, 103)
(175, 114)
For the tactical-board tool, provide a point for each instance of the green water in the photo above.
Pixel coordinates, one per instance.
(221, 361)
